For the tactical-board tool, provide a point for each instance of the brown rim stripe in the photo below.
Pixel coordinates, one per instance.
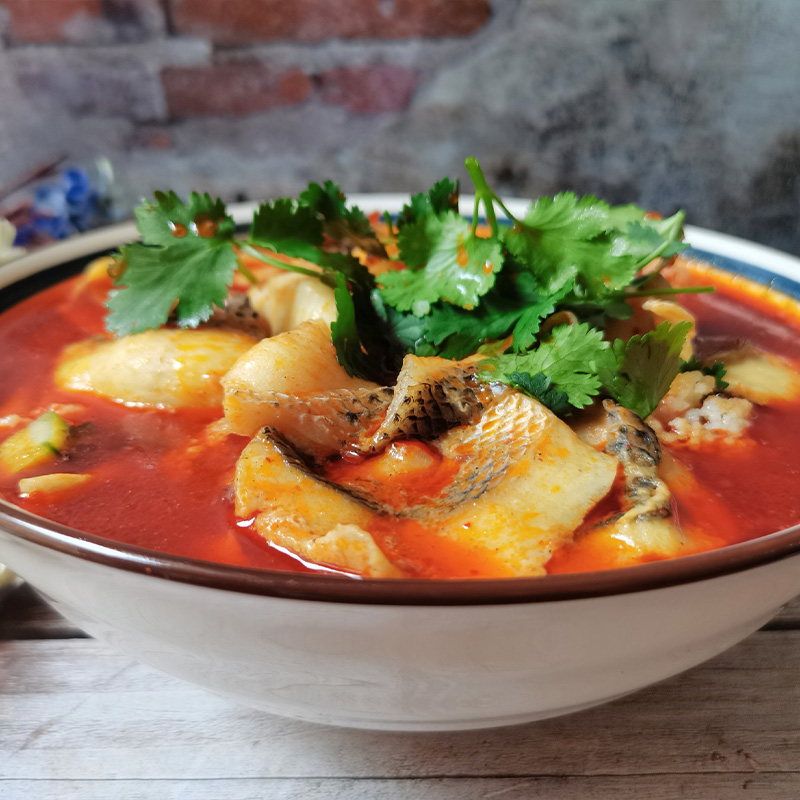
(16, 522)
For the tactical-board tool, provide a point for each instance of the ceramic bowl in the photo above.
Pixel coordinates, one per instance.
(404, 654)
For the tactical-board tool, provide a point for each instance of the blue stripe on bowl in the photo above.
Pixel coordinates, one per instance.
(757, 274)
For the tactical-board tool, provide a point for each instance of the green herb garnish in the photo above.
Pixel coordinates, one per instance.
(638, 373)
(716, 370)
(569, 359)
(456, 288)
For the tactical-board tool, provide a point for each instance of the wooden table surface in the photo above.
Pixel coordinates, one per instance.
(78, 720)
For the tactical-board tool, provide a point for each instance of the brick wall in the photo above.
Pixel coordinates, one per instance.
(662, 102)
(207, 62)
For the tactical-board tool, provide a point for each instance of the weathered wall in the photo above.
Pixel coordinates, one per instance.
(692, 103)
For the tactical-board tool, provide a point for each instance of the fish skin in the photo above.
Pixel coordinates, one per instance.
(237, 314)
(514, 459)
(635, 445)
(295, 509)
(300, 362)
(431, 396)
(646, 526)
(511, 498)
(483, 452)
(323, 424)
(505, 497)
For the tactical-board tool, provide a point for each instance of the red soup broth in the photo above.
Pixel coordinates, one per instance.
(759, 481)
(152, 488)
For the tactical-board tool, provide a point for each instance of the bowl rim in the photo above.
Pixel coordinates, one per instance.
(328, 587)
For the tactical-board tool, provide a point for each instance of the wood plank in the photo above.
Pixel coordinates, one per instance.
(75, 711)
(696, 787)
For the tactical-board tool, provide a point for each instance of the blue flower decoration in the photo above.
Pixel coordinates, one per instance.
(81, 199)
(60, 209)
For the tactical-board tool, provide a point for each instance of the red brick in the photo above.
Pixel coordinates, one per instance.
(44, 20)
(156, 140)
(243, 87)
(250, 21)
(372, 89)
(41, 21)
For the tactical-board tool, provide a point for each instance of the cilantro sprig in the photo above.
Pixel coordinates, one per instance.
(716, 370)
(638, 373)
(569, 360)
(185, 263)
(576, 364)
(456, 287)
(446, 261)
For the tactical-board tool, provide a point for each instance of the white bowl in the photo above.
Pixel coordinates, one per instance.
(405, 654)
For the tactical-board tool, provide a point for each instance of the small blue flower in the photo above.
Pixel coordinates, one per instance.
(26, 235)
(73, 203)
(50, 200)
(77, 188)
(54, 227)
(60, 209)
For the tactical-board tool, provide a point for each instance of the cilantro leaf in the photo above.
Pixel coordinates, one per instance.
(330, 203)
(513, 307)
(365, 344)
(529, 322)
(602, 246)
(541, 387)
(287, 228)
(408, 290)
(167, 218)
(344, 330)
(569, 360)
(295, 230)
(186, 262)
(638, 373)
(456, 266)
(410, 330)
(193, 273)
(414, 243)
(443, 195)
(716, 370)
(643, 241)
(459, 294)
(340, 222)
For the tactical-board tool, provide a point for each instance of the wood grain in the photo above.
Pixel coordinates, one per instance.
(691, 787)
(79, 720)
(88, 722)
